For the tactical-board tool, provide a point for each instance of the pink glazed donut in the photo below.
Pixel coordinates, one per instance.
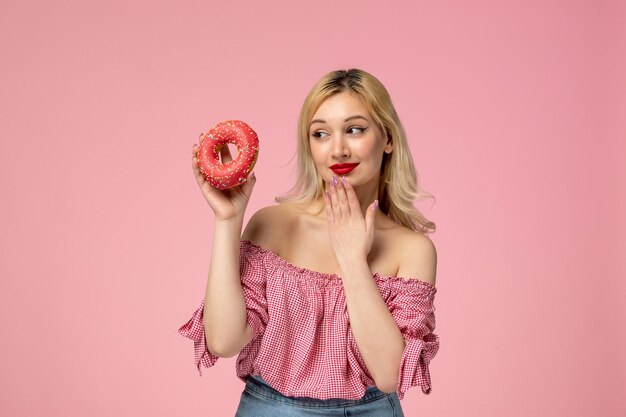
(230, 174)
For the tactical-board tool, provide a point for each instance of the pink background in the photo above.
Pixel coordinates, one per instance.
(516, 116)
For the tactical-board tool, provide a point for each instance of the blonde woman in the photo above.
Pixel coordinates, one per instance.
(327, 297)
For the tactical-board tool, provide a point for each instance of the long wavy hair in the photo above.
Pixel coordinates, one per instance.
(398, 184)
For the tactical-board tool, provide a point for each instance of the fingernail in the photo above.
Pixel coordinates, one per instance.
(326, 194)
(375, 204)
(343, 180)
(332, 181)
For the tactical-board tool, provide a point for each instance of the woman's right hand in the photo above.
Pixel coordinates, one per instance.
(226, 204)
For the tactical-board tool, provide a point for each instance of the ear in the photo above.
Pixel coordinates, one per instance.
(389, 145)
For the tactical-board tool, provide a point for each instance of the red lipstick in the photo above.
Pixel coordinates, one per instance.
(343, 169)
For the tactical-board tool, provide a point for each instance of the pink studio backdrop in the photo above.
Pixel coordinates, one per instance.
(515, 113)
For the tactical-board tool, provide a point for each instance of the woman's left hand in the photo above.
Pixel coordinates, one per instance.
(351, 233)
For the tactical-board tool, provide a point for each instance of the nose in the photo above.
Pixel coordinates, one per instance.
(340, 149)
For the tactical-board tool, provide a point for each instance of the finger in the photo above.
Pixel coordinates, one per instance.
(197, 173)
(334, 199)
(330, 217)
(196, 170)
(353, 201)
(194, 158)
(194, 152)
(370, 216)
(248, 185)
(343, 198)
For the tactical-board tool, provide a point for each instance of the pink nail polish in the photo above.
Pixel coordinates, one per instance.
(343, 180)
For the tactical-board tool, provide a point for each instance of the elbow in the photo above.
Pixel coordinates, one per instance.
(388, 387)
(219, 350)
(222, 351)
(388, 381)
(227, 348)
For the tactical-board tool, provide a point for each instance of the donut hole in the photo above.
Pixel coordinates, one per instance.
(234, 151)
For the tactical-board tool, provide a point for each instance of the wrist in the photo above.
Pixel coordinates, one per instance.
(353, 266)
(230, 223)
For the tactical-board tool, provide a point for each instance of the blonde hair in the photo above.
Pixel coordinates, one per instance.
(398, 186)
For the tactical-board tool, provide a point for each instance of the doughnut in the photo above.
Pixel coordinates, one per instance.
(233, 173)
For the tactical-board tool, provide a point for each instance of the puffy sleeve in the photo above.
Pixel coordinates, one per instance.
(253, 285)
(194, 330)
(411, 304)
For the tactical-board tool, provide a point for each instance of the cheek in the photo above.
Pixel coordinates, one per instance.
(366, 149)
(317, 153)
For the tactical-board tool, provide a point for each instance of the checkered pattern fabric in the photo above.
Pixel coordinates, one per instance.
(302, 343)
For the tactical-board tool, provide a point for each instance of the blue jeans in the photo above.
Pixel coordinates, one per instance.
(259, 399)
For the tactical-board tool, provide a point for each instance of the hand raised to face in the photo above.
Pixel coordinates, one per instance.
(351, 233)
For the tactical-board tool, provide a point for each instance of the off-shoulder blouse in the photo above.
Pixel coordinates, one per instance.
(302, 344)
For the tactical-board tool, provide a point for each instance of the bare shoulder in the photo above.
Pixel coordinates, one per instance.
(419, 255)
(267, 225)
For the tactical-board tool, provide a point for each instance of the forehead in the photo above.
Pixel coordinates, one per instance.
(341, 105)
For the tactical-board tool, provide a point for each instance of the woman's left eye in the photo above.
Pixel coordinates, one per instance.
(359, 129)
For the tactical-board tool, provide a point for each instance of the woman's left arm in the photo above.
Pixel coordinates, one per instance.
(377, 335)
(379, 340)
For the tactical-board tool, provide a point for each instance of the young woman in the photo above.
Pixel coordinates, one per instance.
(327, 297)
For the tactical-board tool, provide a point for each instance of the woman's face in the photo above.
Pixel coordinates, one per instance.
(343, 132)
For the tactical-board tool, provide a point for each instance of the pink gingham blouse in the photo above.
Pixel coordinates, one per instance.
(302, 344)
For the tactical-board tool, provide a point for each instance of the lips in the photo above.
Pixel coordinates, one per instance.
(342, 169)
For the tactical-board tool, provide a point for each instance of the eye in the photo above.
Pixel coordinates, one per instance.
(318, 134)
(358, 129)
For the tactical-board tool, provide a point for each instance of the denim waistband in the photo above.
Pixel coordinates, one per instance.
(258, 385)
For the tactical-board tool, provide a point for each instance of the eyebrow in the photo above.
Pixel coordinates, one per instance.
(358, 116)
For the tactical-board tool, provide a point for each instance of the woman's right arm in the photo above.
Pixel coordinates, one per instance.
(226, 329)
